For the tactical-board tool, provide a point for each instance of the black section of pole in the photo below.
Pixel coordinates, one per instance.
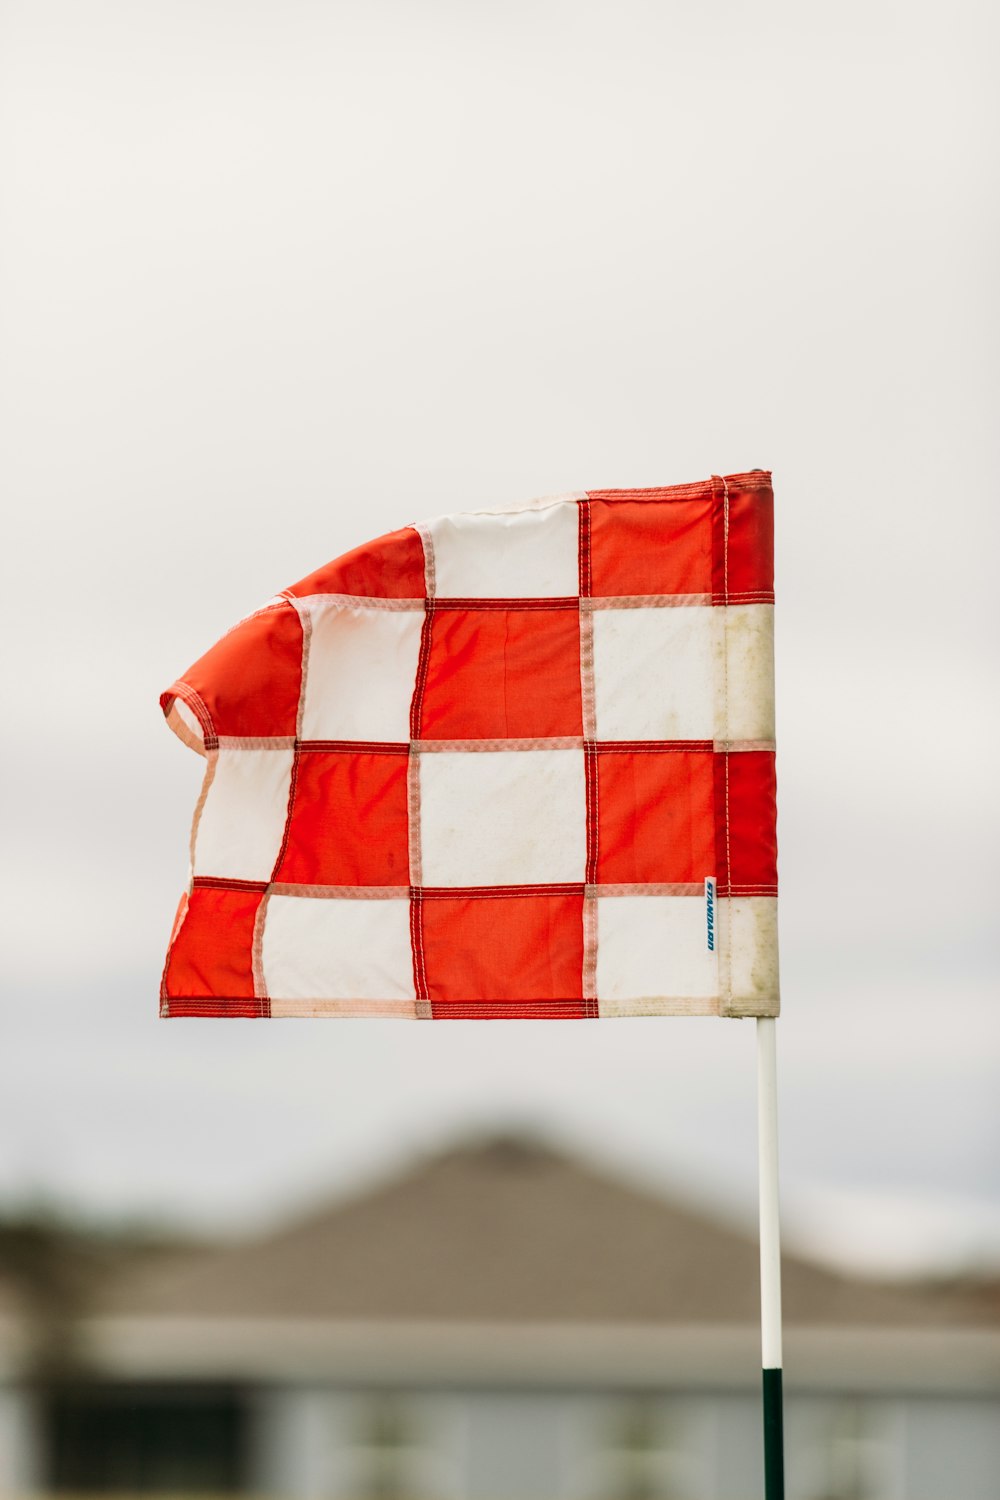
(774, 1441)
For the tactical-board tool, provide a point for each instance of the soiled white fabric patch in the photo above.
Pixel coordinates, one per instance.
(656, 673)
(527, 554)
(653, 950)
(749, 672)
(753, 938)
(337, 950)
(505, 817)
(362, 666)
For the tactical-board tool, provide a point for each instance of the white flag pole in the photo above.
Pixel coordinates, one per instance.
(770, 1259)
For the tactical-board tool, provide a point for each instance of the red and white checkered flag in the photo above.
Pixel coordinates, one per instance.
(506, 763)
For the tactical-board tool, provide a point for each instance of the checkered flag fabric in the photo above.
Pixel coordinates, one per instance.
(499, 764)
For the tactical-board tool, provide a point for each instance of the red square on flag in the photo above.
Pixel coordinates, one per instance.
(348, 823)
(523, 950)
(640, 547)
(250, 681)
(391, 568)
(751, 813)
(212, 952)
(503, 674)
(656, 817)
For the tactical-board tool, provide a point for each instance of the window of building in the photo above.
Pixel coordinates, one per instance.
(387, 1458)
(850, 1457)
(143, 1440)
(647, 1453)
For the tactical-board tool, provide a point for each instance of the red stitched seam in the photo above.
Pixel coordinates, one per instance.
(359, 747)
(654, 747)
(416, 715)
(518, 602)
(423, 667)
(292, 783)
(223, 883)
(478, 892)
(417, 943)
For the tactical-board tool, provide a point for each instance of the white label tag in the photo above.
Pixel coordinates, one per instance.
(710, 911)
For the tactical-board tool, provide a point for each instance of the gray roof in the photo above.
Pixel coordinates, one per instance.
(511, 1231)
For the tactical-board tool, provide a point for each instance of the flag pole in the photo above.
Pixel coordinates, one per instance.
(770, 1259)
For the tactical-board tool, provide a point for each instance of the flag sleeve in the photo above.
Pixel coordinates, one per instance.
(246, 686)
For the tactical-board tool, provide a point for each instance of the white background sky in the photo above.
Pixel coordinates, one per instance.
(276, 276)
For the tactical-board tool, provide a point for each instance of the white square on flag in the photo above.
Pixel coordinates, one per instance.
(527, 554)
(635, 698)
(330, 949)
(361, 668)
(242, 820)
(503, 817)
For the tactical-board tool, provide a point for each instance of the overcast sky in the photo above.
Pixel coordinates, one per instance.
(276, 276)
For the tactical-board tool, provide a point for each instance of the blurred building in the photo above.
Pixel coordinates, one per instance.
(500, 1324)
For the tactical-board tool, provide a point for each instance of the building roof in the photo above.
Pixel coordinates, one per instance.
(509, 1231)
